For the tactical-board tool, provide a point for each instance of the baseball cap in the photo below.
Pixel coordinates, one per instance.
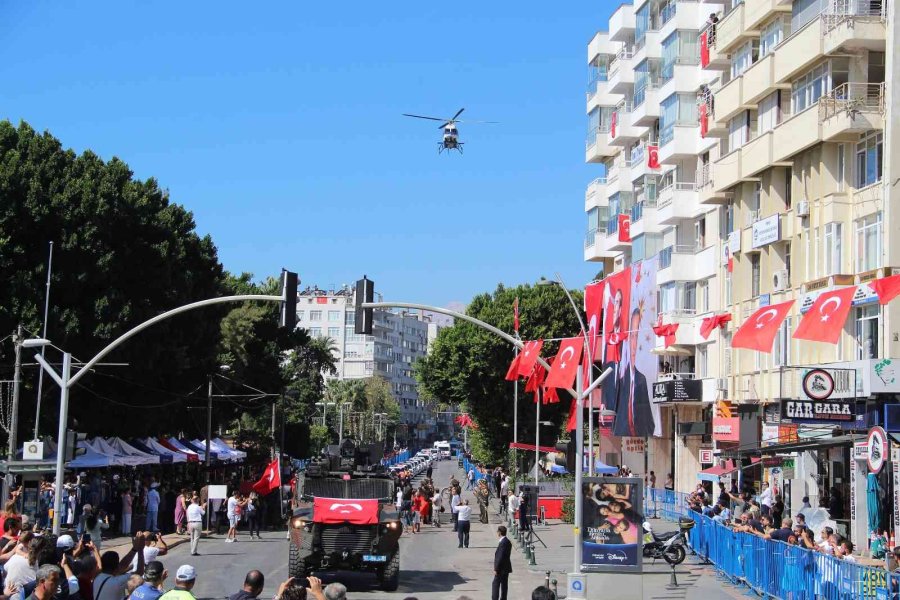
(154, 570)
(186, 573)
(65, 542)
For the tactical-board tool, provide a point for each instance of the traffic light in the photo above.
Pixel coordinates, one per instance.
(72, 439)
(289, 284)
(365, 292)
(565, 455)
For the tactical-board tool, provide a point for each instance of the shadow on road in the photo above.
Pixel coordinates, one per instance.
(410, 581)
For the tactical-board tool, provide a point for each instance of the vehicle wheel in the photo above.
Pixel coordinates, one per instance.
(390, 576)
(296, 565)
(675, 555)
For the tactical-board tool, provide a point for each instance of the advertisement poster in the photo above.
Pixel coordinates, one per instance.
(630, 309)
(611, 525)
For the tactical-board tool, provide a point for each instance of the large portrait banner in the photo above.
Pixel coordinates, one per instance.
(612, 524)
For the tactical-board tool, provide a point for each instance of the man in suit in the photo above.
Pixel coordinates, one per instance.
(608, 387)
(634, 417)
(502, 566)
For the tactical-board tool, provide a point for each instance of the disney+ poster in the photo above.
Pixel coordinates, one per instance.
(612, 524)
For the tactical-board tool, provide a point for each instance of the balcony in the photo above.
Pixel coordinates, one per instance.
(621, 24)
(595, 195)
(727, 171)
(600, 45)
(681, 15)
(801, 50)
(797, 133)
(854, 25)
(718, 60)
(618, 180)
(598, 94)
(684, 78)
(708, 194)
(621, 72)
(759, 81)
(731, 31)
(596, 146)
(757, 155)
(728, 101)
(851, 109)
(677, 263)
(626, 133)
(612, 241)
(646, 106)
(678, 143)
(756, 12)
(649, 47)
(594, 245)
(714, 127)
(678, 201)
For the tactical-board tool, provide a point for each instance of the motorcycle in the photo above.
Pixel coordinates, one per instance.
(667, 546)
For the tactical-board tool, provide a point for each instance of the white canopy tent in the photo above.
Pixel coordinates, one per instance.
(100, 446)
(92, 459)
(177, 457)
(126, 449)
(221, 444)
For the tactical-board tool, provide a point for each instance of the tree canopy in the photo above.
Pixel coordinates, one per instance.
(467, 364)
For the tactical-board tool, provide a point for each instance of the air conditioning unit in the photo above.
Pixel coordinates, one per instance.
(803, 208)
(721, 384)
(780, 280)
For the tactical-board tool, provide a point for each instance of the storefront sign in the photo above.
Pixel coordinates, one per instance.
(726, 429)
(678, 390)
(787, 434)
(706, 456)
(769, 434)
(814, 411)
(853, 468)
(818, 384)
(861, 451)
(604, 546)
(633, 444)
(787, 468)
(734, 242)
(878, 449)
(765, 231)
(828, 383)
(895, 467)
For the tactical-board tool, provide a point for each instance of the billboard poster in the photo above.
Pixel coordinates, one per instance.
(611, 524)
(630, 313)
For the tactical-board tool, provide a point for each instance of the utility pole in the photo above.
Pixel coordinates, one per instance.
(209, 399)
(40, 388)
(273, 428)
(17, 384)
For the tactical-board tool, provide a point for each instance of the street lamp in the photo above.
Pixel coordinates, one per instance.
(35, 343)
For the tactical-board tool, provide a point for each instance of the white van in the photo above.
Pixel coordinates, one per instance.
(443, 449)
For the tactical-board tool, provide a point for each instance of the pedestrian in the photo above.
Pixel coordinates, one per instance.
(152, 506)
(47, 579)
(93, 524)
(471, 478)
(185, 578)
(194, 515)
(110, 584)
(524, 524)
(455, 501)
(336, 591)
(253, 515)
(652, 480)
(502, 566)
(766, 498)
(497, 475)
(437, 507)
(153, 580)
(501, 499)
(512, 503)
(233, 511)
(670, 483)
(154, 547)
(429, 471)
(482, 495)
(464, 513)
(254, 582)
(127, 501)
(181, 503)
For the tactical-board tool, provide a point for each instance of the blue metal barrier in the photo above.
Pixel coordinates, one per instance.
(396, 459)
(468, 466)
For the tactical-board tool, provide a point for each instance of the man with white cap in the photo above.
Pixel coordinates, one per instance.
(185, 578)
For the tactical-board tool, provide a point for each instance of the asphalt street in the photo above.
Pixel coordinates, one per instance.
(432, 567)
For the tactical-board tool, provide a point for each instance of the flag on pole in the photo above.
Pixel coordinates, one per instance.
(758, 332)
(270, 480)
(825, 318)
(528, 357)
(565, 365)
(513, 372)
(516, 315)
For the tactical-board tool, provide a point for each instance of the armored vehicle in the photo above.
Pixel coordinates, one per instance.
(344, 517)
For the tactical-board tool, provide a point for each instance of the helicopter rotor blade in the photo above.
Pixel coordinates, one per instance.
(421, 117)
(459, 112)
(480, 122)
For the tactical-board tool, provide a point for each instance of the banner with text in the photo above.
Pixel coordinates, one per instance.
(612, 524)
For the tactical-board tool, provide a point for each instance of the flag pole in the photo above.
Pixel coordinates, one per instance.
(516, 418)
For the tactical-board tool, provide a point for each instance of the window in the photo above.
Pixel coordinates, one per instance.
(315, 315)
(703, 296)
(702, 361)
(334, 333)
(788, 185)
(787, 259)
(771, 36)
(744, 57)
(754, 275)
(737, 131)
(869, 159)
(868, 322)
(769, 113)
(781, 353)
(315, 332)
(833, 249)
(804, 11)
(680, 48)
(300, 314)
(334, 316)
(807, 89)
(728, 289)
(840, 167)
(350, 318)
(868, 243)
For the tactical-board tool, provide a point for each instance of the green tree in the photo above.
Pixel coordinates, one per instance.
(467, 364)
(123, 254)
(365, 398)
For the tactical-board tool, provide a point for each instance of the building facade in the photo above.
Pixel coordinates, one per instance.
(771, 122)
(398, 339)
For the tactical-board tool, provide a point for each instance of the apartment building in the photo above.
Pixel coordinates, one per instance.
(793, 174)
(398, 339)
(644, 134)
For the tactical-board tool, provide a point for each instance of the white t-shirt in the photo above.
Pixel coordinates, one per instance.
(232, 507)
(399, 498)
(194, 513)
(150, 553)
(18, 572)
(513, 503)
(114, 589)
(465, 512)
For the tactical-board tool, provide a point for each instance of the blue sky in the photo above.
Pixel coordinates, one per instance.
(280, 128)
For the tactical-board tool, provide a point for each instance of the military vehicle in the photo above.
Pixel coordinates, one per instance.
(344, 517)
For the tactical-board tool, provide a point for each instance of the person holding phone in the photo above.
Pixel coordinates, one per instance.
(291, 589)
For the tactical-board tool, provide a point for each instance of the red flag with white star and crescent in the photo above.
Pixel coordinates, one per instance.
(825, 318)
(528, 357)
(270, 480)
(758, 332)
(565, 365)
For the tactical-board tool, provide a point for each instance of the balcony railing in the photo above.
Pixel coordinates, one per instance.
(590, 238)
(852, 98)
(594, 135)
(667, 193)
(752, 217)
(641, 94)
(839, 11)
(665, 255)
(704, 177)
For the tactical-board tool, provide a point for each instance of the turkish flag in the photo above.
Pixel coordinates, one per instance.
(887, 288)
(565, 365)
(321, 300)
(612, 125)
(513, 372)
(652, 156)
(270, 480)
(516, 314)
(758, 332)
(613, 341)
(704, 50)
(825, 318)
(624, 228)
(551, 396)
(528, 357)
(711, 322)
(667, 332)
(338, 510)
(704, 120)
(536, 379)
(571, 422)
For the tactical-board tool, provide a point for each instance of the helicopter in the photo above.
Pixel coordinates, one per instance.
(450, 141)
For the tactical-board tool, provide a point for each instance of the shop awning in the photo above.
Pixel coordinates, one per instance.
(810, 444)
(714, 473)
